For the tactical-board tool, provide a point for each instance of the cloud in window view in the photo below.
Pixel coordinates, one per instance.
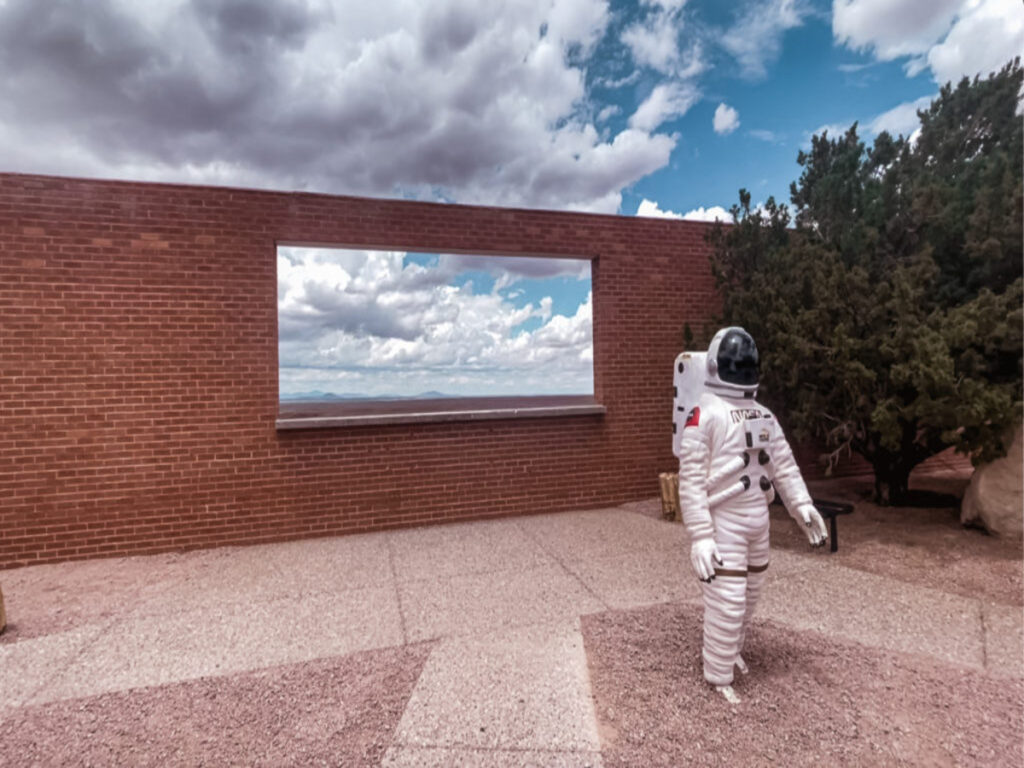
(362, 324)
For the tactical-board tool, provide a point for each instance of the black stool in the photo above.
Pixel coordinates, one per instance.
(831, 510)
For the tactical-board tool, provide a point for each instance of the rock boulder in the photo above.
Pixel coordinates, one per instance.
(995, 497)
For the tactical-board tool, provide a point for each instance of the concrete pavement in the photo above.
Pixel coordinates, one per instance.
(506, 679)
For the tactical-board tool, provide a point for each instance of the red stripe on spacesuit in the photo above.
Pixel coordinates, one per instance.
(693, 419)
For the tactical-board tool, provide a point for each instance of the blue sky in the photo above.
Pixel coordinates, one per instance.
(629, 107)
(592, 105)
(810, 85)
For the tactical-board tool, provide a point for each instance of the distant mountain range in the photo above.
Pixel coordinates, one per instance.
(324, 397)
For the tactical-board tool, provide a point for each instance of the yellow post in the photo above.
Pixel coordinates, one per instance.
(669, 482)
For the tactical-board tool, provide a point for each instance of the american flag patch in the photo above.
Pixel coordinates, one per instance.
(693, 419)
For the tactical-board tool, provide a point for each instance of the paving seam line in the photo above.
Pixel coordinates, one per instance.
(476, 572)
(397, 589)
(565, 568)
(30, 700)
(487, 750)
(984, 635)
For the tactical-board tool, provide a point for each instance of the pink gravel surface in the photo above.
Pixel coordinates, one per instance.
(808, 700)
(337, 711)
(923, 543)
(56, 598)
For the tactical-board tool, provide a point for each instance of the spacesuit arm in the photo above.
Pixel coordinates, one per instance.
(694, 468)
(791, 487)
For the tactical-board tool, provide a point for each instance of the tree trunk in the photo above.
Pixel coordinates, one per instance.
(892, 479)
(891, 487)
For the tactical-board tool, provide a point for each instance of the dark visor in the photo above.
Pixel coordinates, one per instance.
(738, 362)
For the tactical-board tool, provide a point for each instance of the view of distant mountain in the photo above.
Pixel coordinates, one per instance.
(324, 397)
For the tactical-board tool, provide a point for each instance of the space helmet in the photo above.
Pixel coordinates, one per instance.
(733, 364)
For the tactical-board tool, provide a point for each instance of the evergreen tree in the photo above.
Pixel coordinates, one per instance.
(893, 309)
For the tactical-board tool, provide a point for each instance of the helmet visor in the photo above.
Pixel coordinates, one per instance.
(738, 361)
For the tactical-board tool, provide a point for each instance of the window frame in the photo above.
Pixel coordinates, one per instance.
(297, 415)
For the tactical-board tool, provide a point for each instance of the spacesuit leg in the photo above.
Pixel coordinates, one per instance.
(724, 607)
(725, 602)
(757, 560)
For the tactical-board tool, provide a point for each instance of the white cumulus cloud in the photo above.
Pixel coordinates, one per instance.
(901, 119)
(726, 119)
(368, 322)
(755, 39)
(892, 28)
(651, 209)
(451, 99)
(953, 38)
(987, 34)
(657, 41)
(666, 102)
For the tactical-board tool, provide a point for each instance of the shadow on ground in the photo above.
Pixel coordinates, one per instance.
(808, 700)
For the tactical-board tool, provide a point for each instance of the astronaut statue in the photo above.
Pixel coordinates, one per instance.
(731, 450)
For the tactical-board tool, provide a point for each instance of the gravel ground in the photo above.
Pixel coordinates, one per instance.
(808, 701)
(923, 544)
(340, 711)
(47, 599)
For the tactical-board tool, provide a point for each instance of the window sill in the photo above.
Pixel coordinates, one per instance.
(364, 414)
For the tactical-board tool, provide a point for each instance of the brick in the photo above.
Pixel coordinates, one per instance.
(138, 371)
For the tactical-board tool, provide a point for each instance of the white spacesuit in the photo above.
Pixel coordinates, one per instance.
(731, 450)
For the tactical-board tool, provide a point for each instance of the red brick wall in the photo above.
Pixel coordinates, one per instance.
(138, 371)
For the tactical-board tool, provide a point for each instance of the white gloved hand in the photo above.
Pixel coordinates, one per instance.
(703, 555)
(814, 525)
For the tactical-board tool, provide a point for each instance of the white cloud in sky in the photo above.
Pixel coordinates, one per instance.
(834, 130)
(471, 102)
(892, 28)
(987, 34)
(651, 209)
(901, 119)
(762, 135)
(669, 5)
(755, 39)
(726, 119)
(713, 213)
(850, 68)
(366, 322)
(653, 45)
(656, 41)
(954, 38)
(666, 102)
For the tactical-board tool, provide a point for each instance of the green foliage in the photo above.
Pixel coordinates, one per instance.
(891, 314)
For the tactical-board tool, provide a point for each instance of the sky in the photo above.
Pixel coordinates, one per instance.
(638, 107)
(373, 324)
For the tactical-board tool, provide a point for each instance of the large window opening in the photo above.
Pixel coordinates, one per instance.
(365, 332)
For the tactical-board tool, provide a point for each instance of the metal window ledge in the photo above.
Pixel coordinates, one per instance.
(377, 419)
